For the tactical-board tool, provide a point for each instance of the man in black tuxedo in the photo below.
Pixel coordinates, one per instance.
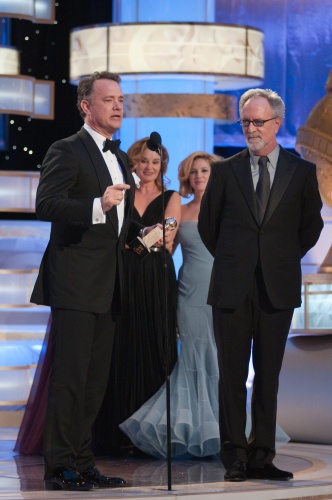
(86, 191)
(258, 219)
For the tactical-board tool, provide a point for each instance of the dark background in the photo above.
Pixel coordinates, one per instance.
(45, 55)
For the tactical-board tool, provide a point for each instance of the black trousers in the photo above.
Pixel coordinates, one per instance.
(256, 326)
(81, 356)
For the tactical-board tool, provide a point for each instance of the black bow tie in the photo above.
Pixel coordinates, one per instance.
(111, 146)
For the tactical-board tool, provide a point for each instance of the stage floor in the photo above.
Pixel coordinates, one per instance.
(147, 478)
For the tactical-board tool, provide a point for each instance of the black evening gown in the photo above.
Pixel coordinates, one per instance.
(141, 346)
(31, 431)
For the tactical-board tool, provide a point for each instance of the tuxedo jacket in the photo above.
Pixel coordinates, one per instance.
(82, 264)
(229, 227)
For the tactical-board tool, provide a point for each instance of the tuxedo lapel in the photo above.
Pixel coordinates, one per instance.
(128, 179)
(102, 172)
(286, 166)
(123, 164)
(242, 171)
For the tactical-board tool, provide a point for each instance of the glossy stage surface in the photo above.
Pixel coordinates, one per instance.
(149, 478)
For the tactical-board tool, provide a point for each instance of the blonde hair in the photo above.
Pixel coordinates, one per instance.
(185, 168)
(135, 153)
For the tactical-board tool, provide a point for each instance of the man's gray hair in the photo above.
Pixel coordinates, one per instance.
(275, 101)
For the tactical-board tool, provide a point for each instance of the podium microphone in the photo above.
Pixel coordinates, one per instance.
(154, 142)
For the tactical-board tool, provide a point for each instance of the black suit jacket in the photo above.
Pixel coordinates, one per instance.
(83, 262)
(229, 227)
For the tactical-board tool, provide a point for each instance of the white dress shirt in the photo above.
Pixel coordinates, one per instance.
(98, 216)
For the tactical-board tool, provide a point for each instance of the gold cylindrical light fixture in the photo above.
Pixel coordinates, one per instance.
(9, 61)
(232, 56)
(37, 11)
(219, 107)
(24, 95)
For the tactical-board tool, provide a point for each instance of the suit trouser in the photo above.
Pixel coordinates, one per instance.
(258, 326)
(81, 356)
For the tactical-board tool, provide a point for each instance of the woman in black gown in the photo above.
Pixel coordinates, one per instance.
(139, 361)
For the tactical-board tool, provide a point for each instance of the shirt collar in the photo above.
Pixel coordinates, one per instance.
(273, 158)
(98, 138)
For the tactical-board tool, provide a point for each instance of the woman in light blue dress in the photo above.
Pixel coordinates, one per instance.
(194, 379)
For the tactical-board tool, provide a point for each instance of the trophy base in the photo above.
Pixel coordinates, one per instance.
(138, 246)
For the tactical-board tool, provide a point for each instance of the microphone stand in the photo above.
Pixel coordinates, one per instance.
(154, 144)
(167, 378)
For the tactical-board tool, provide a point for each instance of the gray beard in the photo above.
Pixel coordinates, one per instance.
(258, 145)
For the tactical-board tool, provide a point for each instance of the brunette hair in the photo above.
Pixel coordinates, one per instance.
(85, 86)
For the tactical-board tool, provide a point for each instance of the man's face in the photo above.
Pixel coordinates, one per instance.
(260, 140)
(104, 110)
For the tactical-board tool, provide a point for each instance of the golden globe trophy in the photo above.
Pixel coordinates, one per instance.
(314, 143)
(142, 246)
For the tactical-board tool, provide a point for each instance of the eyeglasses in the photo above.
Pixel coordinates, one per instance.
(256, 123)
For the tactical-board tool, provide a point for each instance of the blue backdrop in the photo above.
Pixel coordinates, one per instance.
(298, 56)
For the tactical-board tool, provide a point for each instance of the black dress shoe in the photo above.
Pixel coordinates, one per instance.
(236, 472)
(67, 478)
(268, 471)
(92, 475)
